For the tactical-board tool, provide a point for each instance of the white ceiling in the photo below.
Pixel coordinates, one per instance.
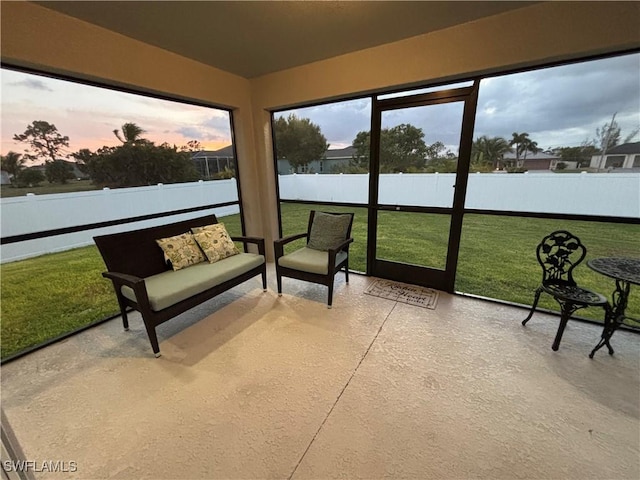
(253, 38)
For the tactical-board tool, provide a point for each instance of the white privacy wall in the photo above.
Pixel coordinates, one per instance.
(33, 213)
(607, 194)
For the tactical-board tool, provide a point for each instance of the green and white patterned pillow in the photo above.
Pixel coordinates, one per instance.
(328, 230)
(215, 242)
(182, 250)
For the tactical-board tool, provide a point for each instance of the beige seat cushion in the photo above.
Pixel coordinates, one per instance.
(310, 260)
(170, 287)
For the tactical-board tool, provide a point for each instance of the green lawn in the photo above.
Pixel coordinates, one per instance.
(46, 188)
(53, 294)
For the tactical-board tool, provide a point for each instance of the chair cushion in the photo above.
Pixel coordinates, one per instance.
(170, 287)
(310, 260)
(328, 230)
(575, 294)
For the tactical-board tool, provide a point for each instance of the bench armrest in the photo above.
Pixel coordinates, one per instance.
(256, 240)
(123, 278)
(135, 283)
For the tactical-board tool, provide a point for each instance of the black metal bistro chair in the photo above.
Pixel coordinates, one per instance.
(559, 253)
(325, 254)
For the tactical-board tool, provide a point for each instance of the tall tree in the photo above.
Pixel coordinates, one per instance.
(523, 145)
(519, 140)
(298, 140)
(629, 138)
(402, 148)
(529, 146)
(131, 133)
(44, 141)
(608, 136)
(12, 163)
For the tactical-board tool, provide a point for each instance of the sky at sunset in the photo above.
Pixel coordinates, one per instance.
(88, 115)
(559, 107)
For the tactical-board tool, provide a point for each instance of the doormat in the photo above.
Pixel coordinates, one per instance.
(405, 293)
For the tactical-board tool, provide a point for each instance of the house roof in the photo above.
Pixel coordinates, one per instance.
(222, 152)
(625, 149)
(532, 156)
(254, 38)
(340, 152)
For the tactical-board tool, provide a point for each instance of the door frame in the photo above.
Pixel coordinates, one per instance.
(429, 277)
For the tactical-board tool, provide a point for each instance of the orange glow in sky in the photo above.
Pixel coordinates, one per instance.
(88, 115)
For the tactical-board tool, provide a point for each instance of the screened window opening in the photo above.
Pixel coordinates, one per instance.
(75, 156)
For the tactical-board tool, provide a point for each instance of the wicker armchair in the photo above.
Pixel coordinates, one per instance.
(325, 254)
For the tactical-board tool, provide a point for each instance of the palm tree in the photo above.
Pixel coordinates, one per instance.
(13, 163)
(131, 134)
(523, 145)
(530, 146)
(489, 151)
(519, 140)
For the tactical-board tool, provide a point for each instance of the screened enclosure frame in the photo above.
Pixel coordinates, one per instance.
(462, 208)
(41, 234)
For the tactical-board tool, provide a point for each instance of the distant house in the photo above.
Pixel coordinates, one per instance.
(625, 156)
(537, 161)
(210, 162)
(333, 157)
(4, 178)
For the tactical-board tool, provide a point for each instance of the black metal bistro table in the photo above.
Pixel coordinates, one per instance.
(625, 271)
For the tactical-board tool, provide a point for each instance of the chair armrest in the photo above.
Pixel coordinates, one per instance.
(333, 252)
(341, 246)
(256, 240)
(278, 245)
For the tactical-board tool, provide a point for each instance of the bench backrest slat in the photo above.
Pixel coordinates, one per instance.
(136, 252)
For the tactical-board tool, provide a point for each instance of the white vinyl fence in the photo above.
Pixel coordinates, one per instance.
(607, 194)
(33, 213)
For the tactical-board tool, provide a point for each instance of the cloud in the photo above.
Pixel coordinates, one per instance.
(557, 106)
(34, 84)
(561, 106)
(214, 128)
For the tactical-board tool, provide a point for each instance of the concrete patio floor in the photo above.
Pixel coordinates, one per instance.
(253, 386)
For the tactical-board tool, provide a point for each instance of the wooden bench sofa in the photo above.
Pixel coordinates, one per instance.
(143, 280)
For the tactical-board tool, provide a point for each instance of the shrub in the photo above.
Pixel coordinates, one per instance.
(29, 177)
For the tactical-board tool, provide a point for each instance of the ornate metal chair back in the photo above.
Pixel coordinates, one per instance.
(559, 253)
